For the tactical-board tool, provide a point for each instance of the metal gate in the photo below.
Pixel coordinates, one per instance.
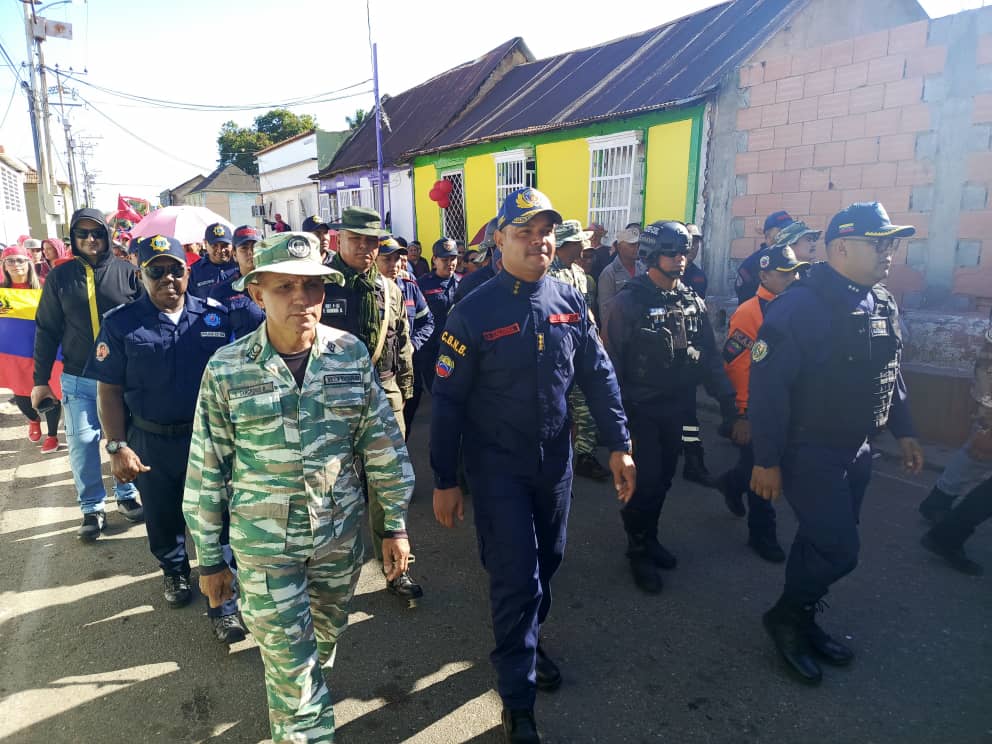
(453, 218)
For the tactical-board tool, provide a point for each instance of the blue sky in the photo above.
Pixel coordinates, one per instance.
(231, 52)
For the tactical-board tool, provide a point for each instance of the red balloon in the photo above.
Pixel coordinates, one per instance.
(444, 202)
(435, 194)
(445, 187)
(437, 184)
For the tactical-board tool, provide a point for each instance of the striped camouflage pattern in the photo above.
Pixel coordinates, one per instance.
(586, 433)
(295, 613)
(289, 454)
(574, 276)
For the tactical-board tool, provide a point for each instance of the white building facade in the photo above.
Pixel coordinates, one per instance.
(284, 171)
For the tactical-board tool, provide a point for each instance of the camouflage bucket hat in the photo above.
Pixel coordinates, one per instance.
(294, 253)
(362, 221)
(791, 233)
(570, 231)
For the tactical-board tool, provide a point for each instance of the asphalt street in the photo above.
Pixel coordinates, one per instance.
(90, 652)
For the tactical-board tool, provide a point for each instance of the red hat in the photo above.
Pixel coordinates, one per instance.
(15, 250)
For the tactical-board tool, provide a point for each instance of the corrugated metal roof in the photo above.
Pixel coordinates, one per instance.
(420, 113)
(678, 62)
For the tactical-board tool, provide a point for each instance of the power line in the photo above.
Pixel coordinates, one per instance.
(9, 104)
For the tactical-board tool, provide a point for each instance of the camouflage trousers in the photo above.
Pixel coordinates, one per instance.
(377, 516)
(295, 613)
(586, 434)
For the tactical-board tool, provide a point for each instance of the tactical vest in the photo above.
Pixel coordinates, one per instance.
(847, 398)
(663, 357)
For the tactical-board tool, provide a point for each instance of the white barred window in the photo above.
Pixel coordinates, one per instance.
(614, 180)
(11, 190)
(514, 170)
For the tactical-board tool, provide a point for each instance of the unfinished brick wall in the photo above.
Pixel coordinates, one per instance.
(857, 120)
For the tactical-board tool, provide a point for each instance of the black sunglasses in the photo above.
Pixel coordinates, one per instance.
(177, 270)
(80, 234)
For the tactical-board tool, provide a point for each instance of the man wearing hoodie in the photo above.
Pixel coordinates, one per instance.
(74, 299)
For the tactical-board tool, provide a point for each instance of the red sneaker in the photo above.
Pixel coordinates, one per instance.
(51, 444)
(34, 431)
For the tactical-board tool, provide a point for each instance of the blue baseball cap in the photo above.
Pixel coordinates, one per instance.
(390, 245)
(246, 234)
(217, 233)
(444, 248)
(865, 220)
(779, 258)
(148, 249)
(521, 206)
(777, 219)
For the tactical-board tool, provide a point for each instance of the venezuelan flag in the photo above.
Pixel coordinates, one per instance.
(17, 309)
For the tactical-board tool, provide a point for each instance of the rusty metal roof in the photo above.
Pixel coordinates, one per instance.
(417, 115)
(678, 62)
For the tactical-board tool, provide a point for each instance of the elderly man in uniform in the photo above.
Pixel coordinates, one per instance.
(370, 306)
(148, 361)
(509, 354)
(245, 316)
(570, 239)
(661, 343)
(287, 414)
(220, 263)
(825, 377)
(624, 267)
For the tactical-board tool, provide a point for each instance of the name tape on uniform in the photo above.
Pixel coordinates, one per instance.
(343, 378)
(251, 391)
(498, 333)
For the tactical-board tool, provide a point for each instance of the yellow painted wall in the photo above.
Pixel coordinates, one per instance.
(480, 192)
(428, 214)
(563, 174)
(667, 171)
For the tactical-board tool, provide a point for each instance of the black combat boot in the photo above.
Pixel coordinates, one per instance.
(519, 726)
(694, 468)
(830, 650)
(642, 565)
(766, 546)
(405, 587)
(936, 505)
(733, 497)
(659, 553)
(587, 466)
(786, 624)
(548, 674)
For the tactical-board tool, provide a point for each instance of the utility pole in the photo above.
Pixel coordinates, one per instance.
(42, 151)
(70, 155)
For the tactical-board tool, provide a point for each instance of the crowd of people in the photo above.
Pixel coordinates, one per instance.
(260, 398)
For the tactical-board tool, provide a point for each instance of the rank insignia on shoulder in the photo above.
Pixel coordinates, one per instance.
(254, 352)
(759, 351)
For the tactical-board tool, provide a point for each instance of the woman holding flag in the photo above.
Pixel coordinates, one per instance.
(19, 295)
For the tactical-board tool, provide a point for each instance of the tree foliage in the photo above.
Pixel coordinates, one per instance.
(355, 121)
(238, 145)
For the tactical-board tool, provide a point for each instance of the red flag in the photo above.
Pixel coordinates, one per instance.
(126, 212)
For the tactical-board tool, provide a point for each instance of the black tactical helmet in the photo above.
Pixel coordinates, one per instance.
(664, 238)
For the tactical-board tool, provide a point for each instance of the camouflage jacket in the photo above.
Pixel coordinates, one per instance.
(289, 453)
(574, 276)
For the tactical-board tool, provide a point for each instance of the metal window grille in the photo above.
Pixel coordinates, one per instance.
(453, 218)
(324, 202)
(514, 170)
(11, 192)
(612, 172)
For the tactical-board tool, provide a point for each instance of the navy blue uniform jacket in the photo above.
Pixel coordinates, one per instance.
(509, 355)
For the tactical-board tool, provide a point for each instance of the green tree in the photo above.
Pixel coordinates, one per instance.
(354, 122)
(238, 145)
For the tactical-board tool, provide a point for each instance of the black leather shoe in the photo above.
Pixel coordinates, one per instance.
(93, 524)
(229, 628)
(956, 557)
(131, 510)
(660, 554)
(645, 572)
(519, 727)
(936, 505)
(404, 586)
(548, 674)
(695, 467)
(734, 501)
(177, 590)
(831, 651)
(587, 466)
(767, 548)
(784, 625)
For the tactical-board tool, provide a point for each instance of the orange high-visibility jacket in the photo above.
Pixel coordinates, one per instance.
(741, 335)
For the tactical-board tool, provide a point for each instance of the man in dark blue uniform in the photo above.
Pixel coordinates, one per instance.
(438, 288)
(148, 360)
(748, 281)
(242, 312)
(219, 264)
(509, 355)
(824, 377)
(484, 273)
(661, 343)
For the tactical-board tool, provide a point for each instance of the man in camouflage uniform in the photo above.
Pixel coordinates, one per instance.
(571, 239)
(284, 413)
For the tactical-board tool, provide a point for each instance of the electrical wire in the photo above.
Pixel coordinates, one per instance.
(142, 140)
(9, 104)
(13, 68)
(308, 100)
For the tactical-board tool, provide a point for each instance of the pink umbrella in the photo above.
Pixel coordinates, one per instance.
(185, 224)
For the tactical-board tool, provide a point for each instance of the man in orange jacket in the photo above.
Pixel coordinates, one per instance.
(778, 268)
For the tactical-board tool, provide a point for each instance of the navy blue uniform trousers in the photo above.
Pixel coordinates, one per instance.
(656, 431)
(760, 513)
(520, 524)
(161, 491)
(825, 487)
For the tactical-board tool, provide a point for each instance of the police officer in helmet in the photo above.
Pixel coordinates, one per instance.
(662, 347)
(824, 377)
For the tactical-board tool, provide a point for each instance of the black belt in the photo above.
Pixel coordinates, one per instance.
(165, 430)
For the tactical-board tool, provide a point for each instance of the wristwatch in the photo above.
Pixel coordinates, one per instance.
(115, 445)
